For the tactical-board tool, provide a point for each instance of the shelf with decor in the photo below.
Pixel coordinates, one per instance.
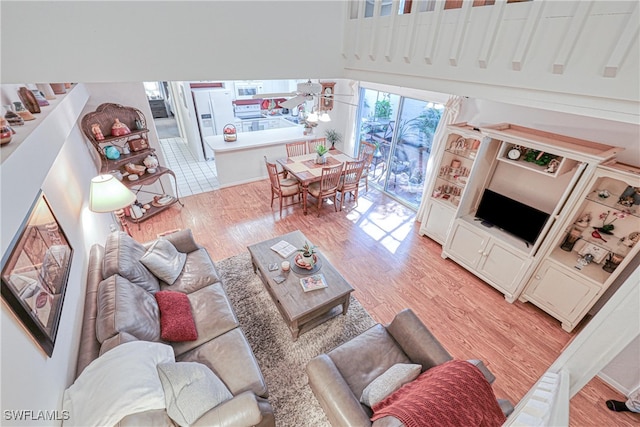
(120, 137)
(456, 154)
(535, 160)
(599, 238)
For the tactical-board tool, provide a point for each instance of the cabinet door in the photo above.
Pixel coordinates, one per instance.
(561, 293)
(437, 222)
(502, 266)
(466, 245)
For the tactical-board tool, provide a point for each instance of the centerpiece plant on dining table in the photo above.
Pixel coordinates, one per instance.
(321, 151)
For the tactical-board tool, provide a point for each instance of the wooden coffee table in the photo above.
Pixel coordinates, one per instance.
(301, 310)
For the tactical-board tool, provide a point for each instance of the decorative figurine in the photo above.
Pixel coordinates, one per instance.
(6, 133)
(119, 129)
(583, 221)
(97, 132)
(151, 162)
(630, 240)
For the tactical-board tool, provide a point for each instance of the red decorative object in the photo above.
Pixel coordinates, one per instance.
(176, 318)
(452, 394)
(229, 132)
(119, 129)
(302, 264)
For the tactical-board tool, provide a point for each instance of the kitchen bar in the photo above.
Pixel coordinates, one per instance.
(242, 161)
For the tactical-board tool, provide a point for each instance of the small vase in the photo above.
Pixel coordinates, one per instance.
(308, 259)
(321, 160)
(45, 88)
(6, 133)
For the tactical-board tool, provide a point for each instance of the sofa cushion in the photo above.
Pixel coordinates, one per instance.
(376, 352)
(164, 261)
(230, 357)
(115, 341)
(122, 256)
(197, 273)
(213, 316)
(190, 390)
(176, 319)
(125, 307)
(392, 379)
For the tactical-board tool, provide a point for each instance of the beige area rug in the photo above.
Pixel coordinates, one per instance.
(282, 360)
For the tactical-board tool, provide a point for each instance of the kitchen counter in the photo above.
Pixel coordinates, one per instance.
(242, 161)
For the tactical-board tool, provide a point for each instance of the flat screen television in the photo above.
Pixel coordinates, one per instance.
(511, 216)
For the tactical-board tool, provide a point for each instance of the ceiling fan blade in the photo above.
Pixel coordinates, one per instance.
(274, 95)
(345, 102)
(293, 102)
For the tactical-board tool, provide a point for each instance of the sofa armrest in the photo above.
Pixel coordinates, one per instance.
(416, 341)
(183, 241)
(244, 409)
(483, 368)
(336, 398)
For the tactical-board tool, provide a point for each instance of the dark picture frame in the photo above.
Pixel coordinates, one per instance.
(35, 271)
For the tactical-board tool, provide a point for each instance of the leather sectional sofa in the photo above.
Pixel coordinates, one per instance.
(112, 316)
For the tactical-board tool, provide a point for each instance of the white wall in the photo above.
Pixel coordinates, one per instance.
(170, 40)
(63, 170)
(622, 372)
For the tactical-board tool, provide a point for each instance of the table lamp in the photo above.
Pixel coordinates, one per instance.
(107, 194)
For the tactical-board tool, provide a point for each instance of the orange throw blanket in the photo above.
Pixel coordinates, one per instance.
(454, 394)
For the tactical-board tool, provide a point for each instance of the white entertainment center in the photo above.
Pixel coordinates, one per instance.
(526, 171)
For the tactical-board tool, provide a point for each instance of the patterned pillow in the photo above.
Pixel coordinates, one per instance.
(176, 318)
(392, 379)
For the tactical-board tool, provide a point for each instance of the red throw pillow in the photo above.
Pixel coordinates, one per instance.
(176, 319)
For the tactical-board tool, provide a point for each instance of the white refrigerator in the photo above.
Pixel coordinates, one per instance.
(214, 110)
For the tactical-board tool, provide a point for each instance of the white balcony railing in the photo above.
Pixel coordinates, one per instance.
(575, 56)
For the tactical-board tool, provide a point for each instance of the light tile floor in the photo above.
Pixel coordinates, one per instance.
(192, 176)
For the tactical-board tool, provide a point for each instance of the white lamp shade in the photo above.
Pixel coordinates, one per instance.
(324, 117)
(312, 117)
(107, 194)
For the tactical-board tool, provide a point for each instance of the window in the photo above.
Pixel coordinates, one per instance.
(402, 130)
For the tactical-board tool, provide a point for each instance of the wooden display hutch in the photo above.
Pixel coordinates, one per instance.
(104, 117)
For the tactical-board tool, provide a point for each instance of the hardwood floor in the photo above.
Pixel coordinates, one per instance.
(377, 248)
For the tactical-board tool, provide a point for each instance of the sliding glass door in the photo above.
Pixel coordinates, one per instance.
(402, 130)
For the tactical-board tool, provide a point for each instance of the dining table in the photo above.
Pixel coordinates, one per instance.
(305, 169)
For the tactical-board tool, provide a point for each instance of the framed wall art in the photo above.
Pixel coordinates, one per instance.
(35, 270)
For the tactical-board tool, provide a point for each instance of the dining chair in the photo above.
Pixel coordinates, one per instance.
(312, 144)
(298, 148)
(282, 187)
(327, 186)
(350, 180)
(367, 151)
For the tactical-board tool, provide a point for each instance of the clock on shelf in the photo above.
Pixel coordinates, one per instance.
(326, 100)
(514, 153)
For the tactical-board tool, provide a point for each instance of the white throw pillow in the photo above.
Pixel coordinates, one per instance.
(121, 382)
(391, 380)
(164, 261)
(190, 390)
